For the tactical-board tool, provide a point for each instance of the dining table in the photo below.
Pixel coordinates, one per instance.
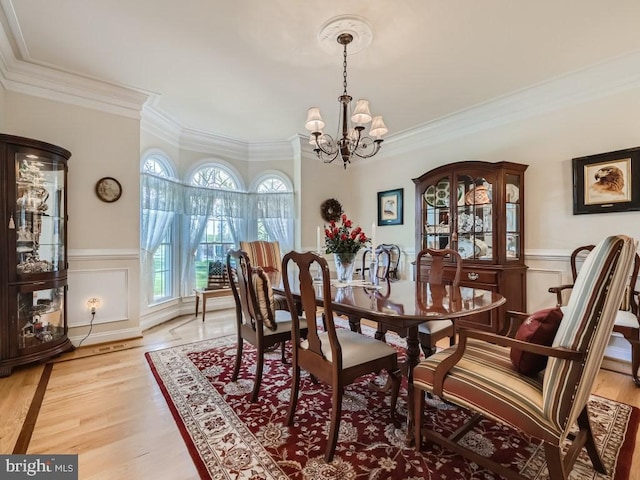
(401, 306)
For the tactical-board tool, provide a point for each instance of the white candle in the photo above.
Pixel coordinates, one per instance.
(318, 241)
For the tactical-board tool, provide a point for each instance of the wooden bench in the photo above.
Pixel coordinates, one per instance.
(206, 294)
(217, 286)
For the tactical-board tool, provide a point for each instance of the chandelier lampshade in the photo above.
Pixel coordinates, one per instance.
(350, 140)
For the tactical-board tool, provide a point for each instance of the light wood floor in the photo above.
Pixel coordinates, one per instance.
(103, 404)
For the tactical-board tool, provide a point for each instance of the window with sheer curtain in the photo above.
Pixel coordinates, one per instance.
(185, 226)
(160, 198)
(214, 222)
(273, 210)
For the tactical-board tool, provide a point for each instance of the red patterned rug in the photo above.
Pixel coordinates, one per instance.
(230, 438)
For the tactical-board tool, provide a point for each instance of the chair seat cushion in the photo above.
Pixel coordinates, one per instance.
(283, 323)
(356, 348)
(485, 381)
(434, 326)
(540, 328)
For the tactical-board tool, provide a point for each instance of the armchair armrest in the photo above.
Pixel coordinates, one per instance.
(442, 370)
(515, 320)
(558, 291)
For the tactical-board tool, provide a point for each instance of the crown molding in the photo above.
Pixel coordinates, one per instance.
(600, 80)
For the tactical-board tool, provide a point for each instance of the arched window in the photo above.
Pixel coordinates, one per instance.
(159, 198)
(273, 200)
(217, 221)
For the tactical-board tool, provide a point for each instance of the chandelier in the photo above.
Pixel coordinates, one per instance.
(350, 140)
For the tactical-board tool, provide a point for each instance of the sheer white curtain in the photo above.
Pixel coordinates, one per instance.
(161, 200)
(198, 206)
(276, 212)
(236, 212)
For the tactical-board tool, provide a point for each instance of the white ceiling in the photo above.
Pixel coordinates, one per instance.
(249, 69)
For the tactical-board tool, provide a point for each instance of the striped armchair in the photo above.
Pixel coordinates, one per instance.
(478, 373)
(266, 255)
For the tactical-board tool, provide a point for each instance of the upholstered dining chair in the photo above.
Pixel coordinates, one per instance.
(257, 320)
(268, 256)
(627, 321)
(432, 331)
(478, 374)
(336, 356)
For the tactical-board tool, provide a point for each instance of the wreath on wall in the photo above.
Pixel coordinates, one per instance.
(330, 209)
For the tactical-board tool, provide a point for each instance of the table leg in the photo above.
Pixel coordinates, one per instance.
(413, 358)
(197, 303)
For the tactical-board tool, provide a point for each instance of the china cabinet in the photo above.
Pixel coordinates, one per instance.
(33, 254)
(477, 208)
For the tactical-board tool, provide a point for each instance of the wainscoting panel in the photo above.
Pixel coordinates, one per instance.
(109, 285)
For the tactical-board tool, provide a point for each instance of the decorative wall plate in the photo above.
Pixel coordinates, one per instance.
(513, 193)
(438, 195)
(108, 189)
(477, 196)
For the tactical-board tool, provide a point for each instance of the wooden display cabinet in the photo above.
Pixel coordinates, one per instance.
(33, 252)
(477, 208)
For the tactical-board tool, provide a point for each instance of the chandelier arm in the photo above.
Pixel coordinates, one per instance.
(376, 148)
(329, 142)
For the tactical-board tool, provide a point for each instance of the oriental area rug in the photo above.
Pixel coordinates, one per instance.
(228, 437)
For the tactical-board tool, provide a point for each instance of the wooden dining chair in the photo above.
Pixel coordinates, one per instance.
(336, 356)
(257, 319)
(429, 333)
(478, 373)
(627, 322)
(375, 264)
(394, 259)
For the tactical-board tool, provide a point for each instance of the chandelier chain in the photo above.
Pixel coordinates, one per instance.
(344, 71)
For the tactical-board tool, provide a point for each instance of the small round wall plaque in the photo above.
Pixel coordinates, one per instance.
(108, 189)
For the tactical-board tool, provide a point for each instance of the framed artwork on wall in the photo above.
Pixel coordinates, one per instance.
(390, 207)
(607, 182)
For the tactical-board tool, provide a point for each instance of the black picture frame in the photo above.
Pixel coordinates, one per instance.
(607, 182)
(390, 207)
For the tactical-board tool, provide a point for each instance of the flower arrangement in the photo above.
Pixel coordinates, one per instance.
(343, 238)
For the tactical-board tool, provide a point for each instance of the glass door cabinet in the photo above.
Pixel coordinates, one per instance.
(477, 208)
(33, 260)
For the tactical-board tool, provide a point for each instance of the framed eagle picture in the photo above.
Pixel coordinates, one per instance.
(607, 182)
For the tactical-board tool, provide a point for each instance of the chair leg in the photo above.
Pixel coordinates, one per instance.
(336, 413)
(554, 462)
(635, 361)
(258, 381)
(236, 368)
(425, 343)
(396, 379)
(418, 412)
(590, 443)
(380, 333)
(293, 400)
(283, 351)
